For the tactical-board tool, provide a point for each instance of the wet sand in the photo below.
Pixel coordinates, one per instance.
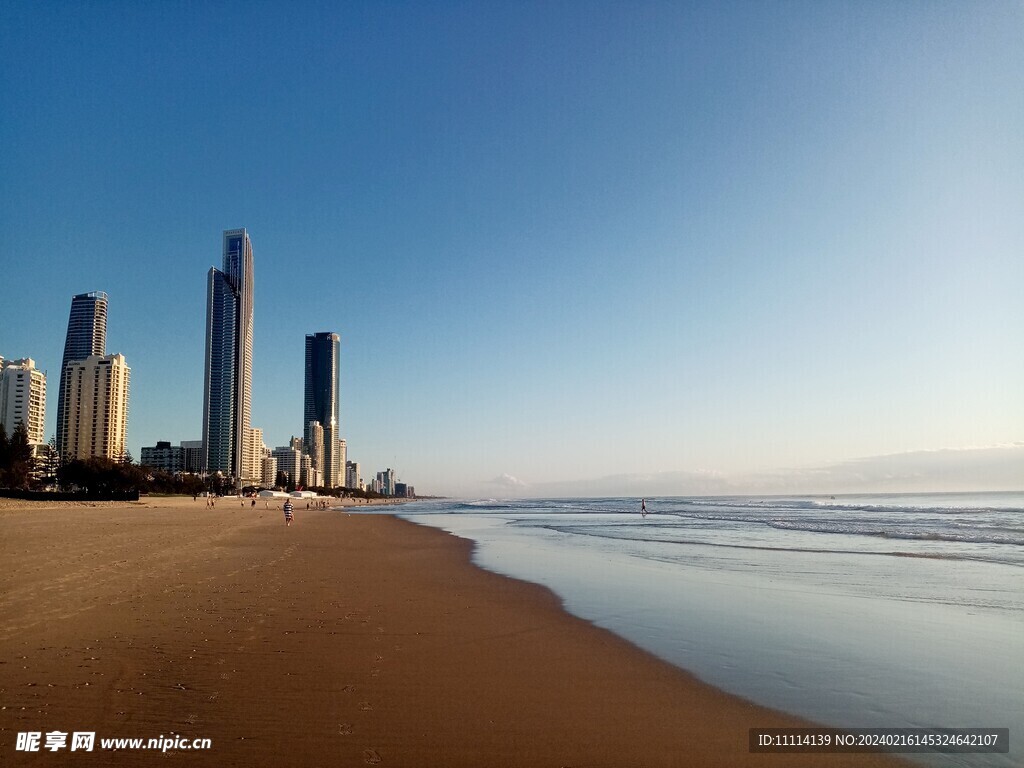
(343, 640)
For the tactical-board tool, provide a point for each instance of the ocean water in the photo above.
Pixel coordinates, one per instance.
(856, 611)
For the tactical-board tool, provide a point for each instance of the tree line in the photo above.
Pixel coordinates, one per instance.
(16, 461)
(97, 476)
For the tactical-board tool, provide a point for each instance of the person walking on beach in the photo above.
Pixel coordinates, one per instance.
(643, 507)
(287, 513)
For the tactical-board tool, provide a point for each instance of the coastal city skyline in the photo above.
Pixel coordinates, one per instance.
(634, 251)
(93, 397)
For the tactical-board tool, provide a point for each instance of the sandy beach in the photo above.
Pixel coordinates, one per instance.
(343, 640)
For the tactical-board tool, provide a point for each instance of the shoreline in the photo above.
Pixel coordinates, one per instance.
(347, 639)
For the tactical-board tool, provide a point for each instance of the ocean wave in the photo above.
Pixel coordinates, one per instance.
(948, 555)
(976, 536)
(839, 506)
(482, 504)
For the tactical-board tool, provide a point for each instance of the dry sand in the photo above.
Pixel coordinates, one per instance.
(344, 640)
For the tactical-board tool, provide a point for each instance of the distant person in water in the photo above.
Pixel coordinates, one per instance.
(287, 513)
(643, 507)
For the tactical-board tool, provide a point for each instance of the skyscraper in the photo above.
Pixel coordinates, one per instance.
(87, 335)
(227, 394)
(321, 401)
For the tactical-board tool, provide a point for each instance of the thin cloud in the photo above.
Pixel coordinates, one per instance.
(974, 468)
(990, 468)
(676, 483)
(507, 481)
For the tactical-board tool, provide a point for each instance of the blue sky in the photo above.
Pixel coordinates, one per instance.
(560, 241)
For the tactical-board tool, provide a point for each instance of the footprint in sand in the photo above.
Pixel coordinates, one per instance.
(365, 706)
(371, 756)
(344, 729)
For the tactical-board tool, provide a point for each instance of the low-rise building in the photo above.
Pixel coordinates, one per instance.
(164, 456)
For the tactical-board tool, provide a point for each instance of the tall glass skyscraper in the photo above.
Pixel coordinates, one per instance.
(321, 403)
(227, 394)
(87, 335)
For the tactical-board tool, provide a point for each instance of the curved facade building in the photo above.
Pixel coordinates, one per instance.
(87, 335)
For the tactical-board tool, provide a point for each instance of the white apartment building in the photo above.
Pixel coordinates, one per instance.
(289, 461)
(340, 462)
(96, 409)
(314, 445)
(255, 450)
(22, 397)
(269, 466)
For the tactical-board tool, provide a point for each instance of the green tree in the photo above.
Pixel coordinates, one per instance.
(51, 463)
(19, 462)
(5, 455)
(100, 476)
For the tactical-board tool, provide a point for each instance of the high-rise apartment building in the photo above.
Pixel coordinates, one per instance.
(22, 397)
(386, 481)
(313, 444)
(87, 335)
(254, 455)
(192, 452)
(297, 465)
(227, 394)
(321, 400)
(340, 460)
(96, 411)
(289, 462)
(269, 469)
(352, 477)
